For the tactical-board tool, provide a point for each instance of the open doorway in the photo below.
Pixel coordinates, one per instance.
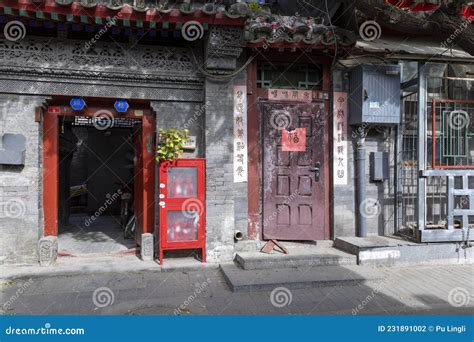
(96, 181)
(93, 164)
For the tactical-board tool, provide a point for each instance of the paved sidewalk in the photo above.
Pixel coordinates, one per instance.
(431, 290)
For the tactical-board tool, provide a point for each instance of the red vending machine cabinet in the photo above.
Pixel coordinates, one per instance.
(182, 205)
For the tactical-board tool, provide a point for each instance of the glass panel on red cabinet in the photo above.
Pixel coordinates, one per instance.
(182, 182)
(182, 225)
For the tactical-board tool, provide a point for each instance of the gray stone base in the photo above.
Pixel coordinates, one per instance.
(48, 250)
(241, 280)
(146, 250)
(382, 250)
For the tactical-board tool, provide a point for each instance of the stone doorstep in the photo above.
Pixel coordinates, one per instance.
(394, 251)
(297, 257)
(241, 280)
(256, 245)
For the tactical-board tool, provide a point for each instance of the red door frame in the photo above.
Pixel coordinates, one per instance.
(254, 95)
(51, 116)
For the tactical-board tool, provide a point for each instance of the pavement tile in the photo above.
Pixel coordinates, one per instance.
(406, 290)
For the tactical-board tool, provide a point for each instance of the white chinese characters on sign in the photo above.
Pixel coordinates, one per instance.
(340, 138)
(290, 95)
(240, 134)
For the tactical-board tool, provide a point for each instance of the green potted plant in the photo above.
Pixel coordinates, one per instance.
(170, 144)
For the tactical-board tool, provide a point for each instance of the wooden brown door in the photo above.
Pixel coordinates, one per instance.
(293, 182)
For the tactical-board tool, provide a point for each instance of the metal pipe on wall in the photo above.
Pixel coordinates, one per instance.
(360, 182)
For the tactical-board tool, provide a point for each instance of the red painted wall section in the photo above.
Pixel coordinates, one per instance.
(50, 174)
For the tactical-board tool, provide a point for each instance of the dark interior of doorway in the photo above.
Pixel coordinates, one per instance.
(96, 166)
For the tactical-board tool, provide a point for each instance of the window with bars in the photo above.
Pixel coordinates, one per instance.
(289, 76)
(452, 138)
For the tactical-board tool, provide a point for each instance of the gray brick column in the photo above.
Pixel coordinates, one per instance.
(219, 171)
(224, 45)
(21, 221)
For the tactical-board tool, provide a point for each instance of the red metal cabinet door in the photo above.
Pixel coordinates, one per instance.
(182, 204)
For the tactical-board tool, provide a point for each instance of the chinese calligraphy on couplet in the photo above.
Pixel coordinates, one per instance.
(240, 134)
(340, 138)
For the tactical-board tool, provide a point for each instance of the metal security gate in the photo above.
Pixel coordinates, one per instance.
(437, 170)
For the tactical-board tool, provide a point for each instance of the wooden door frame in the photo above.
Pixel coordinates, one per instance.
(255, 172)
(51, 162)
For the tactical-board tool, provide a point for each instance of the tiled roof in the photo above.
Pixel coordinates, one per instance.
(262, 28)
(96, 11)
(273, 30)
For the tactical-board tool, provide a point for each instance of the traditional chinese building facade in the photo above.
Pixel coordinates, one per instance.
(87, 86)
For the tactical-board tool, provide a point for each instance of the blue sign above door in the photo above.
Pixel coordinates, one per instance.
(77, 103)
(121, 106)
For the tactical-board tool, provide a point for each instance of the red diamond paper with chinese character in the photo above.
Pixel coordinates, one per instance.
(294, 140)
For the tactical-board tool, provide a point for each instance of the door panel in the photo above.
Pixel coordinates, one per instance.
(293, 194)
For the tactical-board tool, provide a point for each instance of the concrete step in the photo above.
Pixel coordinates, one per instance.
(241, 280)
(300, 256)
(387, 251)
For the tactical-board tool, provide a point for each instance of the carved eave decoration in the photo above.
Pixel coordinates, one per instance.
(44, 58)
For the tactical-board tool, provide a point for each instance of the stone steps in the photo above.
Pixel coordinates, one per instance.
(240, 280)
(298, 257)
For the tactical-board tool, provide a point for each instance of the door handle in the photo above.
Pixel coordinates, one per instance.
(317, 171)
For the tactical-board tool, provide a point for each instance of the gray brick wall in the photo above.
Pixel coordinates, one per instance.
(344, 196)
(182, 115)
(20, 186)
(219, 171)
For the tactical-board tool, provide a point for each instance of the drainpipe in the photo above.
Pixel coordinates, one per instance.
(360, 182)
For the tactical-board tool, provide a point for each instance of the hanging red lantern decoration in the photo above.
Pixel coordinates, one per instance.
(424, 6)
(467, 12)
(400, 3)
